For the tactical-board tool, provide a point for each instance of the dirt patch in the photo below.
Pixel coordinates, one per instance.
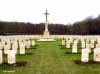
(29, 53)
(76, 53)
(63, 48)
(89, 62)
(25, 54)
(72, 53)
(61, 45)
(17, 64)
(32, 48)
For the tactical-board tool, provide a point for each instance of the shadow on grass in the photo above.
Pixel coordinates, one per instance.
(36, 45)
(76, 53)
(61, 45)
(89, 62)
(30, 48)
(25, 54)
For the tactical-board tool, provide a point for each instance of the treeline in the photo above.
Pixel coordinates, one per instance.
(28, 28)
(89, 26)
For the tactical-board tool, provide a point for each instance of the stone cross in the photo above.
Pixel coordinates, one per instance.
(46, 24)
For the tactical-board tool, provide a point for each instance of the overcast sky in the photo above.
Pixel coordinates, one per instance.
(61, 11)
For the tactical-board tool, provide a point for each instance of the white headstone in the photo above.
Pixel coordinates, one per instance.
(97, 54)
(14, 47)
(9, 43)
(85, 55)
(11, 57)
(33, 43)
(83, 44)
(0, 56)
(28, 44)
(2, 44)
(88, 46)
(67, 44)
(98, 41)
(92, 43)
(6, 48)
(97, 45)
(74, 48)
(87, 41)
(22, 49)
(63, 42)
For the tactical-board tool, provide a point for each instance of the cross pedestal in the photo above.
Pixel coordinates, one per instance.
(46, 34)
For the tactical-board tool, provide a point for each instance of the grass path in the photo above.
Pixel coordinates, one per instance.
(49, 58)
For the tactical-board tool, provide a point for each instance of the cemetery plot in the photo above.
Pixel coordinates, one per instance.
(49, 58)
(84, 47)
(12, 47)
(72, 47)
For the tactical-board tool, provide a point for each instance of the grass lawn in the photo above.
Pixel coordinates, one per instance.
(49, 58)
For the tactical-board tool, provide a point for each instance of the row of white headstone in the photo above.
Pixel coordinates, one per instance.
(86, 48)
(85, 55)
(16, 45)
(11, 44)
